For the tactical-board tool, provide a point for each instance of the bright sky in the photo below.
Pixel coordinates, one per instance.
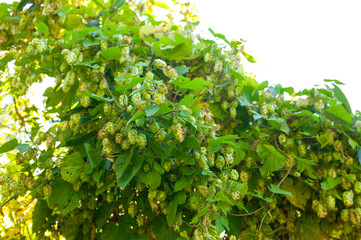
(295, 43)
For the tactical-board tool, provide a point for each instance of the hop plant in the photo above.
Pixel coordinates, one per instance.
(160, 64)
(357, 187)
(47, 190)
(234, 174)
(331, 202)
(69, 56)
(132, 209)
(170, 72)
(220, 162)
(347, 198)
(179, 132)
(132, 136)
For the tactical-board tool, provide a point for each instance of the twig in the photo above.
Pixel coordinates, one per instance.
(278, 229)
(163, 114)
(278, 185)
(106, 84)
(264, 217)
(19, 115)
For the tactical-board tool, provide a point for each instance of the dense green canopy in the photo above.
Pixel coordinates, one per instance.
(152, 133)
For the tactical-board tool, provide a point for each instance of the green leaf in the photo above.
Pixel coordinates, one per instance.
(4, 61)
(127, 166)
(112, 53)
(340, 113)
(342, 98)
(93, 156)
(63, 197)
(187, 101)
(103, 214)
(92, 95)
(160, 4)
(334, 80)
(196, 84)
(330, 183)
(217, 110)
(133, 82)
(42, 27)
(122, 162)
(23, 148)
(279, 124)
(172, 211)
(224, 139)
(218, 35)
(72, 168)
(177, 48)
(182, 70)
(151, 110)
(324, 139)
(278, 190)
(162, 230)
(221, 224)
(308, 228)
(111, 231)
(274, 160)
(306, 165)
(300, 192)
(40, 215)
(249, 57)
(9, 145)
(87, 64)
(154, 179)
(183, 183)
(136, 116)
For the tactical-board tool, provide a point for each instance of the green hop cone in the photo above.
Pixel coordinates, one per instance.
(345, 215)
(233, 112)
(347, 198)
(47, 191)
(220, 162)
(125, 144)
(161, 196)
(85, 101)
(355, 217)
(331, 202)
(132, 136)
(234, 174)
(142, 140)
(154, 127)
(357, 187)
(170, 72)
(282, 139)
(110, 128)
(49, 174)
(152, 194)
(302, 149)
(132, 209)
(160, 136)
(160, 64)
(243, 176)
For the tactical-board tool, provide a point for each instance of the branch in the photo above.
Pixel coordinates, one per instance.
(106, 84)
(18, 113)
(278, 185)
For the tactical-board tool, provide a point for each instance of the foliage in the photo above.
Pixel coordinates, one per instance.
(151, 133)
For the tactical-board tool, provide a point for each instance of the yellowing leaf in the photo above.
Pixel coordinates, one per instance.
(300, 191)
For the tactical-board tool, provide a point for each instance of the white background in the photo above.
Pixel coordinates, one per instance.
(295, 43)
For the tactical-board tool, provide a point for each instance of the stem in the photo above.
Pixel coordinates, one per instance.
(278, 185)
(19, 115)
(115, 100)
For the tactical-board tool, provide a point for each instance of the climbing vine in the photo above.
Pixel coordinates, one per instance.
(150, 132)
